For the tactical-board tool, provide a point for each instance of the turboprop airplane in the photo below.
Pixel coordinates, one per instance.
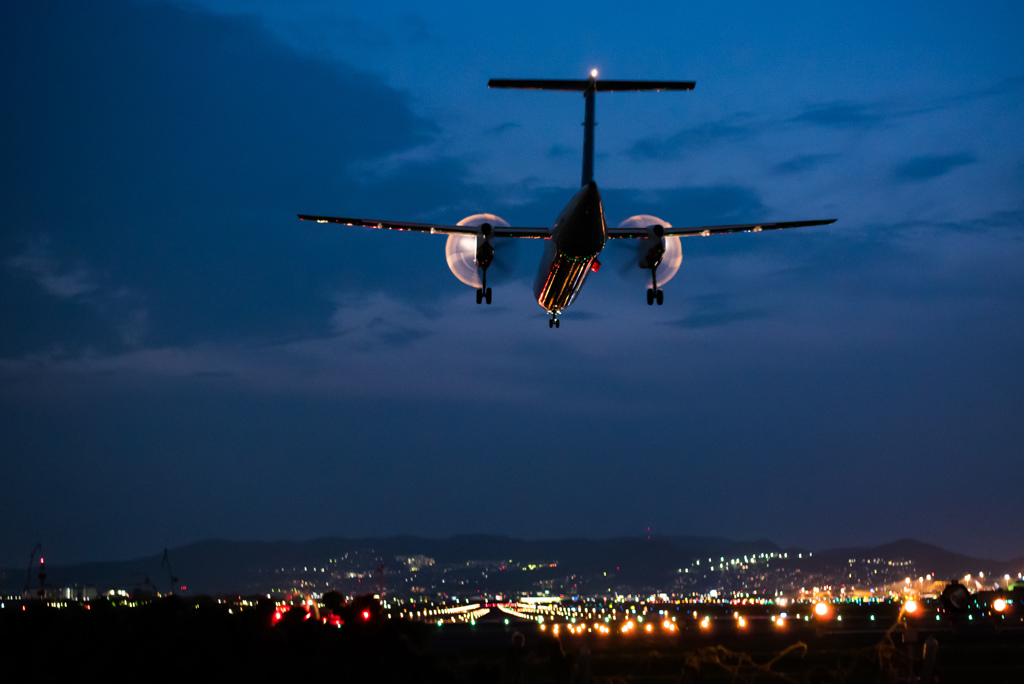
(578, 235)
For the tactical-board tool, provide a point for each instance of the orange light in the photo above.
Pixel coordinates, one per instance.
(649, 627)
(821, 609)
(999, 605)
(780, 622)
(743, 622)
(705, 623)
(910, 606)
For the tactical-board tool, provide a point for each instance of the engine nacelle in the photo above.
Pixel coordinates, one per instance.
(656, 250)
(467, 254)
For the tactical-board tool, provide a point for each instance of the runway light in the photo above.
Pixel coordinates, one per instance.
(999, 605)
(821, 609)
(910, 607)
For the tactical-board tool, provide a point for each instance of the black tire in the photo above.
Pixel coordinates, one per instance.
(556, 322)
(487, 295)
(660, 297)
(479, 295)
(551, 322)
(650, 297)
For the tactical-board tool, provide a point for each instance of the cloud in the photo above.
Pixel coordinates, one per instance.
(711, 319)
(805, 162)
(927, 167)
(501, 128)
(700, 137)
(58, 279)
(158, 185)
(841, 115)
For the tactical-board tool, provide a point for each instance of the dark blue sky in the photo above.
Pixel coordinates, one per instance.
(182, 359)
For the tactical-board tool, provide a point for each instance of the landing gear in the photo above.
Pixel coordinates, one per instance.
(553, 321)
(483, 293)
(653, 293)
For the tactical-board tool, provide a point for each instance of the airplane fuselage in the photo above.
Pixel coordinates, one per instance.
(577, 238)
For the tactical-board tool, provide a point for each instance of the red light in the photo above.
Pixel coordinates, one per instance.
(366, 615)
(595, 266)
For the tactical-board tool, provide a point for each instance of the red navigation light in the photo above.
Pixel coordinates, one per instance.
(595, 265)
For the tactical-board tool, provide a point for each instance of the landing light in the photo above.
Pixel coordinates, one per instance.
(910, 607)
(821, 609)
(999, 605)
(593, 73)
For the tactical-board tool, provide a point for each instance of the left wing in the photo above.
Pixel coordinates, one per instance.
(641, 231)
(433, 228)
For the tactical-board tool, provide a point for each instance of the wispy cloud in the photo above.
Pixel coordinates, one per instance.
(842, 115)
(59, 279)
(927, 167)
(804, 162)
(696, 138)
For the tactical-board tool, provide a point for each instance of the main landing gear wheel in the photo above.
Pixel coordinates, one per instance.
(653, 296)
(483, 295)
(487, 295)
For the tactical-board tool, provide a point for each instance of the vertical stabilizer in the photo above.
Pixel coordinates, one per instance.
(588, 87)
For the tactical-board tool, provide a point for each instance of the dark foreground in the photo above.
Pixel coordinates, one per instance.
(177, 640)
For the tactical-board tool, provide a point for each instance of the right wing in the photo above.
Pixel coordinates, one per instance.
(433, 228)
(641, 231)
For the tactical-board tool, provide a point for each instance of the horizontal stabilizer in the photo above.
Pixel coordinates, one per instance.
(583, 85)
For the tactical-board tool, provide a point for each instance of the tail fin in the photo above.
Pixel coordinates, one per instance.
(588, 87)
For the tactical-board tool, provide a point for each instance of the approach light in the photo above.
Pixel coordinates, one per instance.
(999, 605)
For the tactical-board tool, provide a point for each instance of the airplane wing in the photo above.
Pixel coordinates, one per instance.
(433, 228)
(641, 231)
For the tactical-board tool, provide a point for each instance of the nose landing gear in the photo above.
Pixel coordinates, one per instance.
(653, 293)
(553, 321)
(483, 293)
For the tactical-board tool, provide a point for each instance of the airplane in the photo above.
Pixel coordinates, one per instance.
(579, 234)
